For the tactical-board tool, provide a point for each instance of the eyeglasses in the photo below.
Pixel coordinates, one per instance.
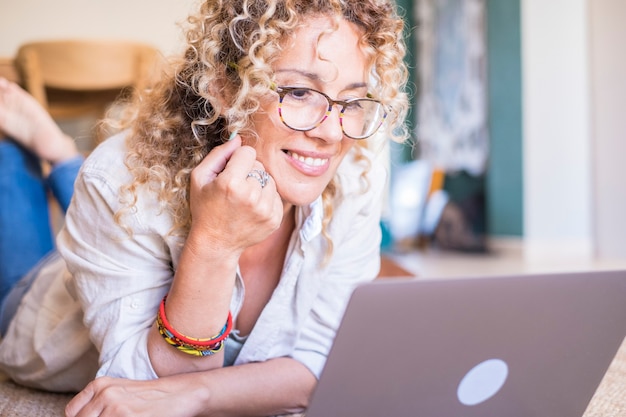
(305, 109)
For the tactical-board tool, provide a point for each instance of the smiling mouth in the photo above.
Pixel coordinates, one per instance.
(307, 160)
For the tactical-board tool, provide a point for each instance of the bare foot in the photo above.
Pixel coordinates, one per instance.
(24, 120)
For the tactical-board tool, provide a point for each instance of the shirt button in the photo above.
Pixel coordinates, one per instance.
(134, 304)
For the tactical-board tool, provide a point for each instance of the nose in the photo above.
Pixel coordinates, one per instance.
(330, 129)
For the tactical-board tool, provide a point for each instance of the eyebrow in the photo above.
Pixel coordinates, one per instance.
(314, 77)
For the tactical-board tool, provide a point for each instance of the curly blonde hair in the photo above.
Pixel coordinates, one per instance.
(217, 84)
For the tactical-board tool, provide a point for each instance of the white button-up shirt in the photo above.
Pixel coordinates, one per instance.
(90, 311)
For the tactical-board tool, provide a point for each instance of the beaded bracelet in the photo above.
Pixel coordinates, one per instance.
(190, 345)
(188, 348)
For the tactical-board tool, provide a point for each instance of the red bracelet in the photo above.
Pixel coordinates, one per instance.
(191, 340)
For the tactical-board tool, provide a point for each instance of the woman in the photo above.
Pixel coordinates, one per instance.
(188, 252)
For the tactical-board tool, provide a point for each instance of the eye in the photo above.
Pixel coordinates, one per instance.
(354, 106)
(300, 94)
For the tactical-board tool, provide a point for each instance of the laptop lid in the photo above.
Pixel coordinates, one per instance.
(517, 346)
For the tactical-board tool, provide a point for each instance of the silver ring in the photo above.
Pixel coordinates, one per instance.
(261, 176)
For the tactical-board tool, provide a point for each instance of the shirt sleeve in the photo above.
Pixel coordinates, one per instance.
(119, 278)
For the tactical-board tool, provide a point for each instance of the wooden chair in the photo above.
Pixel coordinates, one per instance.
(75, 78)
(8, 70)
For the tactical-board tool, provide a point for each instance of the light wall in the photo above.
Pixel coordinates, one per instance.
(556, 141)
(574, 129)
(608, 132)
(151, 21)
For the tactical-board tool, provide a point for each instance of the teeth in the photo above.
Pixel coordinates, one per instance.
(315, 162)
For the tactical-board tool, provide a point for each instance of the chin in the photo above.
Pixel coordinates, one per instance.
(300, 202)
(301, 197)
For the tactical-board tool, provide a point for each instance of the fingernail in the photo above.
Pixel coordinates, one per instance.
(232, 135)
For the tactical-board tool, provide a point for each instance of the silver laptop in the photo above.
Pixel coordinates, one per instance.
(519, 346)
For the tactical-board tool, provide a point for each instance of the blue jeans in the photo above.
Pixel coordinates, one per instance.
(25, 231)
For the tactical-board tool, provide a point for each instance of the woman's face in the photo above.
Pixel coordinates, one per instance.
(303, 163)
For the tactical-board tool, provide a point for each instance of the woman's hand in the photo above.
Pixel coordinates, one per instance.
(116, 397)
(230, 209)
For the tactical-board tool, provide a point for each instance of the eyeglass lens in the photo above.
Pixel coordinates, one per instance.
(305, 109)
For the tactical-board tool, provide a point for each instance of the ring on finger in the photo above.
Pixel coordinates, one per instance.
(261, 176)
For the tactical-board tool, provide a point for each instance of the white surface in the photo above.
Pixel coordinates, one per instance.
(505, 257)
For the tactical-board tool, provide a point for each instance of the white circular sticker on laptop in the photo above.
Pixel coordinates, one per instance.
(482, 382)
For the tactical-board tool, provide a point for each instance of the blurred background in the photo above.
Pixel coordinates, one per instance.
(517, 120)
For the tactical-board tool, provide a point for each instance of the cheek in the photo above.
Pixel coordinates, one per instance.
(269, 130)
(267, 117)
(346, 145)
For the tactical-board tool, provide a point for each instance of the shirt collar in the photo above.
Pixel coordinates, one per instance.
(313, 216)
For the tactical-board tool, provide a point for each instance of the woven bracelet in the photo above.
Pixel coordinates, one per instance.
(198, 347)
(185, 347)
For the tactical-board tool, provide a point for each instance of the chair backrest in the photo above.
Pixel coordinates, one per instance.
(8, 70)
(70, 77)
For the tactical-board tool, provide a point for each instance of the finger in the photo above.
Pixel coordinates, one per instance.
(269, 201)
(241, 162)
(215, 162)
(79, 401)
